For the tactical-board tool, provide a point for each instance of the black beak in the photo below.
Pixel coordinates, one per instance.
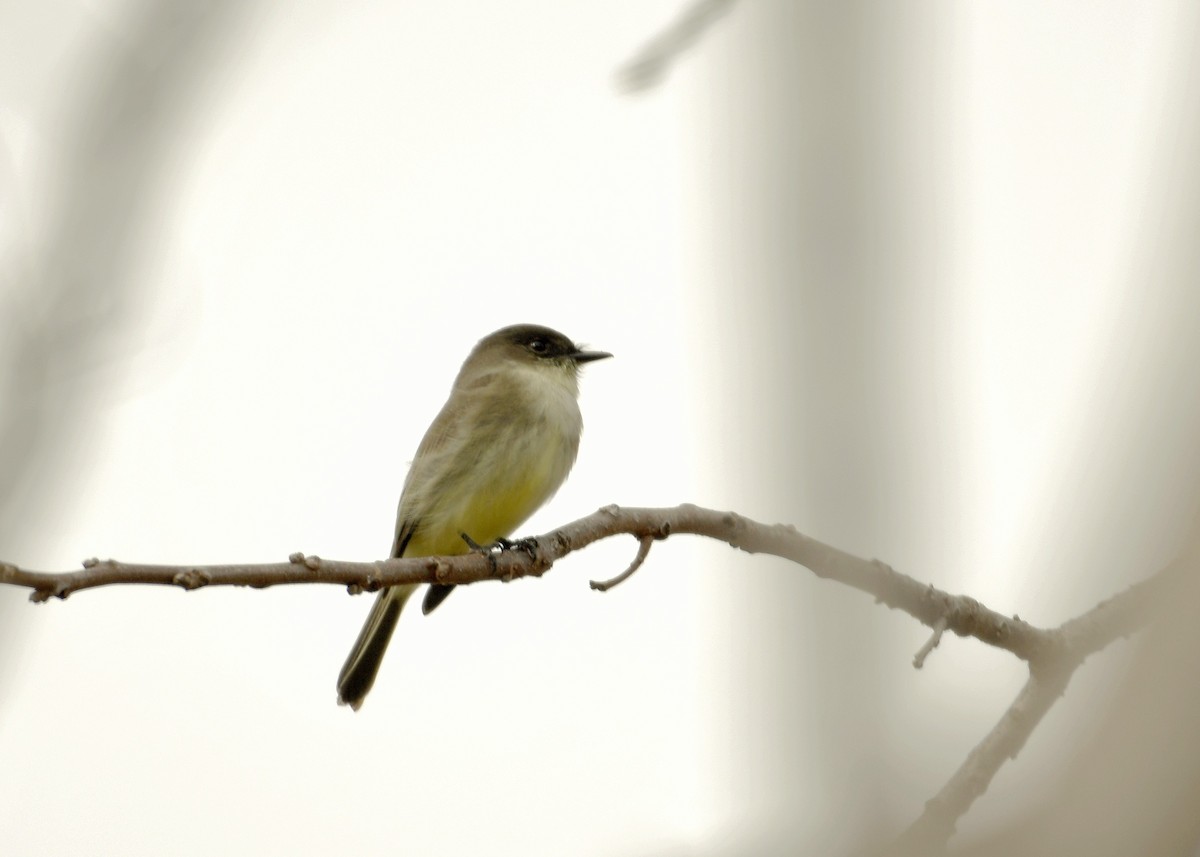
(588, 356)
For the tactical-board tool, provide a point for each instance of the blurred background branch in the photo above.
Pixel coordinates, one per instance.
(68, 298)
(653, 61)
(1050, 671)
(69, 272)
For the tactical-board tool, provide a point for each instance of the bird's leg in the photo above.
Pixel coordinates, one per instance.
(489, 551)
(474, 545)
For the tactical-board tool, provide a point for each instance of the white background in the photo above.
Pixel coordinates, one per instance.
(355, 194)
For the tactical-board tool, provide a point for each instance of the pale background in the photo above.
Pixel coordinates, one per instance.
(889, 274)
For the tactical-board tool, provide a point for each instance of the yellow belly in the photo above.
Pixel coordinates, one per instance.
(499, 502)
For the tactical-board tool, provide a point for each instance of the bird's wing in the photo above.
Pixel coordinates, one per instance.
(439, 433)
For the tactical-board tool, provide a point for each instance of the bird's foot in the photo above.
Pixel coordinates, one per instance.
(529, 545)
(500, 545)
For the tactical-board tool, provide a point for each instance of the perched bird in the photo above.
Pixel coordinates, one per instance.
(500, 447)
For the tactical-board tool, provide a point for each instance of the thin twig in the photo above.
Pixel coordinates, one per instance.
(939, 628)
(643, 552)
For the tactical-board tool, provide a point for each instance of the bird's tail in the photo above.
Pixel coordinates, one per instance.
(360, 669)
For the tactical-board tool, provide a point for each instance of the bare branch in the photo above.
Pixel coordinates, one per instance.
(933, 829)
(964, 616)
(1052, 655)
(1049, 674)
(1124, 613)
(958, 613)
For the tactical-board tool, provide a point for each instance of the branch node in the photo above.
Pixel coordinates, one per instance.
(354, 589)
(91, 562)
(312, 562)
(643, 551)
(939, 628)
(192, 578)
(612, 510)
(296, 558)
(438, 568)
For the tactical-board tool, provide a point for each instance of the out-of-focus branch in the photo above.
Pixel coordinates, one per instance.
(1053, 655)
(933, 829)
(1132, 787)
(650, 65)
(64, 303)
(1049, 673)
(67, 285)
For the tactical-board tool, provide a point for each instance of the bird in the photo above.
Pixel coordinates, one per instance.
(501, 446)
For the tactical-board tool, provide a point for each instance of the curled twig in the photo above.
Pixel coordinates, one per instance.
(643, 552)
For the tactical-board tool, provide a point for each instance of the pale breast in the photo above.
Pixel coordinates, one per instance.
(507, 454)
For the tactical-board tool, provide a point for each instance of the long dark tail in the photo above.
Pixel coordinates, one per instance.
(361, 667)
(435, 594)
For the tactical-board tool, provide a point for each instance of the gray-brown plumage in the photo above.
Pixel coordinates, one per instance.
(501, 446)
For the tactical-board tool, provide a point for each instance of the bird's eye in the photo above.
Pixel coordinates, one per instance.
(539, 346)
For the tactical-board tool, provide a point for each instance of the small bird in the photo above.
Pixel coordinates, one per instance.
(501, 446)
